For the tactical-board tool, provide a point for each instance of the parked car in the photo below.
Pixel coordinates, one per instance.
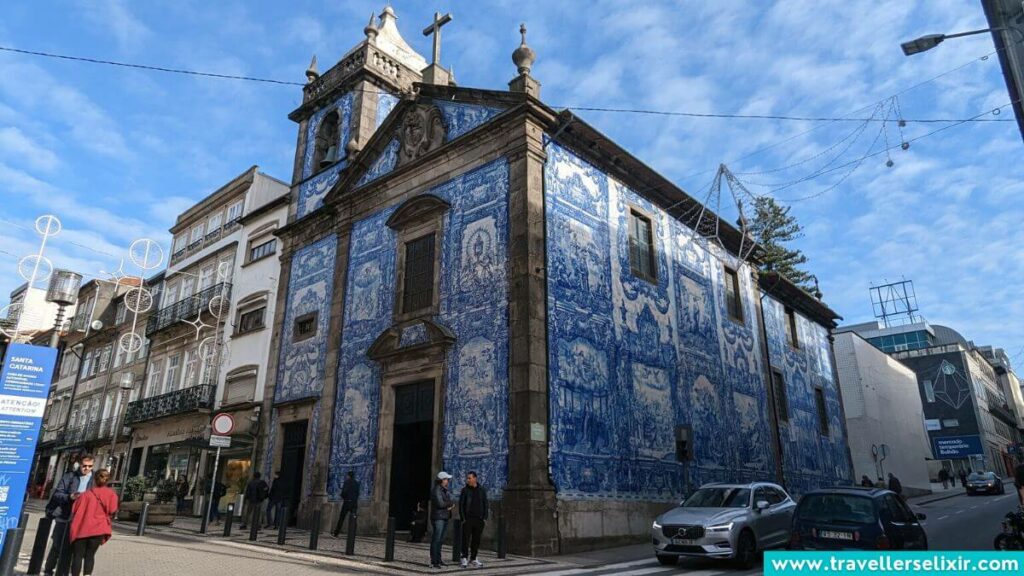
(726, 521)
(856, 519)
(984, 483)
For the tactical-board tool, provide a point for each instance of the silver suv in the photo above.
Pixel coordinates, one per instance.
(728, 521)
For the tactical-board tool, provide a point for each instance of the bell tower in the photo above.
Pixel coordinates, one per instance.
(342, 107)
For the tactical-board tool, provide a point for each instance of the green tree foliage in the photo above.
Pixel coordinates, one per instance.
(774, 228)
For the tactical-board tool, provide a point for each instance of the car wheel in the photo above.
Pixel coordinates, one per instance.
(667, 560)
(746, 550)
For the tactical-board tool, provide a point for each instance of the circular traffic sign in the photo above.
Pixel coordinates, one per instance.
(223, 424)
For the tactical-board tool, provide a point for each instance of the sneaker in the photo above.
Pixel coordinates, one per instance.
(464, 562)
(478, 564)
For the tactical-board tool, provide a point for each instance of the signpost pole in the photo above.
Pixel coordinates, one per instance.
(213, 482)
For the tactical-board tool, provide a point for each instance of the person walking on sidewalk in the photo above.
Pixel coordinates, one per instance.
(866, 482)
(219, 490)
(91, 524)
(440, 513)
(473, 511)
(256, 492)
(963, 477)
(180, 493)
(67, 491)
(944, 478)
(277, 496)
(895, 485)
(349, 500)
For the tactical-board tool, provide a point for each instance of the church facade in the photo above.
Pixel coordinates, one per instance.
(472, 280)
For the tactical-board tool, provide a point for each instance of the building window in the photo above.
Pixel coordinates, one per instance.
(155, 372)
(733, 297)
(196, 236)
(791, 333)
(251, 320)
(180, 241)
(418, 281)
(206, 276)
(104, 359)
(305, 327)
(191, 368)
(122, 312)
(929, 391)
(950, 423)
(263, 250)
(779, 391)
(641, 247)
(171, 382)
(87, 364)
(819, 399)
(234, 213)
(213, 224)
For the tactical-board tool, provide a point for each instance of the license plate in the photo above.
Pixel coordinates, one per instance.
(683, 542)
(835, 535)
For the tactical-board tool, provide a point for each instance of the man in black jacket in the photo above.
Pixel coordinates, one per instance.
(67, 490)
(473, 511)
(255, 493)
(278, 493)
(349, 500)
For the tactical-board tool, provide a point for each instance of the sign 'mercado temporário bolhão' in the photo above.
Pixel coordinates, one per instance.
(24, 385)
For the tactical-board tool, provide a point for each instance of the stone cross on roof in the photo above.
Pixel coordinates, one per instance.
(435, 29)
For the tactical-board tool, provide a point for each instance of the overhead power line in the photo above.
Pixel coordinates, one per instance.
(577, 108)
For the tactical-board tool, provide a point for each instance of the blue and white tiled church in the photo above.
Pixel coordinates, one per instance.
(473, 280)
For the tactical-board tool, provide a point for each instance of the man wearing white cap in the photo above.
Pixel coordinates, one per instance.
(440, 513)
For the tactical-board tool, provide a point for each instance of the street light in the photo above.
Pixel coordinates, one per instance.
(62, 291)
(929, 41)
(126, 384)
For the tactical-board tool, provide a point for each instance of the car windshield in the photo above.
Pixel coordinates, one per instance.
(980, 476)
(837, 509)
(724, 497)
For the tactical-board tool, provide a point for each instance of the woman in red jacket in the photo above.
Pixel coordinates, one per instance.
(91, 518)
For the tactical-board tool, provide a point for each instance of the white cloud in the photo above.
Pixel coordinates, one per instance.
(115, 17)
(17, 145)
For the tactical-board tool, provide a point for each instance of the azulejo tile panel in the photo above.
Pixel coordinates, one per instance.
(384, 163)
(473, 306)
(460, 117)
(312, 191)
(631, 358)
(300, 371)
(386, 102)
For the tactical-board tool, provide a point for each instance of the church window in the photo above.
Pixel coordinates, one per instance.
(325, 145)
(305, 327)
(779, 391)
(819, 399)
(791, 334)
(733, 297)
(641, 247)
(418, 282)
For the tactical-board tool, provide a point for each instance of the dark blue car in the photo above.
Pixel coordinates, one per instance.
(856, 519)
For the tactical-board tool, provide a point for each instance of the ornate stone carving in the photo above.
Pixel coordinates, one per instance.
(422, 131)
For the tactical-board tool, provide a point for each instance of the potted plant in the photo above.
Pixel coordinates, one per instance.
(162, 506)
(132, 494)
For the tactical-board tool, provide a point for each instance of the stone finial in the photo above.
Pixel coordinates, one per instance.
(311, 73)
(371, 28)
(524, 56)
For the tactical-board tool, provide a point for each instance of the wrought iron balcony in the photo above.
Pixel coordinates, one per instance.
(92, 432)
(188, 308)
(177, 402)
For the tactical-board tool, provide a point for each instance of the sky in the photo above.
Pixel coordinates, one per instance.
(117, 153)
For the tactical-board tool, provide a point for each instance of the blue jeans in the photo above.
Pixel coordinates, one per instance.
(440, 527)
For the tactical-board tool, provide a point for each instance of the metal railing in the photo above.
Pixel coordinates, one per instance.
(177, 402)
(98, 431)
(188, 308)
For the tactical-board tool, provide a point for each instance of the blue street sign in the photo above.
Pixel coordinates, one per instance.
(24, 385)
(950, 447)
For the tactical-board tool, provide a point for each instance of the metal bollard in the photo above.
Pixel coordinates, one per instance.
(64, 553)
(389, 541)
(501, 537)
(140, 530)
(35, 562)
(12, 546)
(229, 521)
(204, 522)
(350, 543)
(282, 529)
(314, 532)
(456, 539)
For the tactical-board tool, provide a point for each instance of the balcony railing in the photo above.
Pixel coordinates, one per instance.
(177, 402)
(187, 309)
(98, 431)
